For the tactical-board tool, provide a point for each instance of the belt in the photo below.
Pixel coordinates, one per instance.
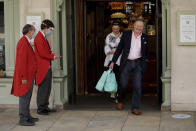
(134, 60)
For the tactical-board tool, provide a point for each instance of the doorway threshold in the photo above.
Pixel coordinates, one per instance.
(104, 102)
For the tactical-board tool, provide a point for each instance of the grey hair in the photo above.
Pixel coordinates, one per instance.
(138, 20)
(27, 28)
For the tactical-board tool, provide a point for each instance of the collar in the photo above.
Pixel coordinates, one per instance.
(28, 39)
(137, 36)
(43, 34)
(114, 35)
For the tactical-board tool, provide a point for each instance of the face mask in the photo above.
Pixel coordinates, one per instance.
(48, 33)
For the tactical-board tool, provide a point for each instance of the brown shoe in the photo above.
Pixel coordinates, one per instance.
(119, 106)
(136, 112)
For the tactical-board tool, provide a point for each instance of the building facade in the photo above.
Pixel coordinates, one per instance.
(177, 62)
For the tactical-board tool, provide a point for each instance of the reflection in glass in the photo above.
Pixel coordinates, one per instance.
(2, 38)
(1, 17)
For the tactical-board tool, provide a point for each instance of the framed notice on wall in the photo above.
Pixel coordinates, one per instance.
(186, 28)
(35, 19)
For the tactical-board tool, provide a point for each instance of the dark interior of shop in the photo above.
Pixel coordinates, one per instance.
(95, 19)
(99, 16)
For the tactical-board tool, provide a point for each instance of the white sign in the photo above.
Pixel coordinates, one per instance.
(34, 20)
(187, 28)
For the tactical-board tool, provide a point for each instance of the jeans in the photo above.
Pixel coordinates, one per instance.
(135, 68)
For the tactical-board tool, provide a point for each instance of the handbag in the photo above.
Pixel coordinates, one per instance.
(107, 82)
(110, 83)
(101, 82)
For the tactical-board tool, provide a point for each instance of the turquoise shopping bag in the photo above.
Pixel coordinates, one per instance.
(110, 83)
(101, 82)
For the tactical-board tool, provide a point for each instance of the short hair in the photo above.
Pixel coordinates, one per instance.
(27, 28)
(139, 19)
(46, 24)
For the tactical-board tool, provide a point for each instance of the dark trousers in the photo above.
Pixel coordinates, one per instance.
(44, 90)
(136, 68)
(24, 104)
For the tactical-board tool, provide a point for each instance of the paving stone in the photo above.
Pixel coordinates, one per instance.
(147, 121)
(107, 120)
(97, 120)
(170, 124)
(7, 127)
(73, 121)
(45, 121)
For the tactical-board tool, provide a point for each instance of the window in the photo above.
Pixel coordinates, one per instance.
(2, 37)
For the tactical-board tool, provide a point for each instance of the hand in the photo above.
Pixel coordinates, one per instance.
(57, 56)
(112, 52)
(111, 65)
(24, 82)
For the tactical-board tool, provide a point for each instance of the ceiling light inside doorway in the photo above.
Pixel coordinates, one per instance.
(118, 15)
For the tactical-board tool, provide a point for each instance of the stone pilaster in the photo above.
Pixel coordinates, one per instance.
(166, 56)
(11, 34)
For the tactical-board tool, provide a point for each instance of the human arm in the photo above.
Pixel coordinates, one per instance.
(42, 50)
(22, 61)
(107, 48)
(119, 49)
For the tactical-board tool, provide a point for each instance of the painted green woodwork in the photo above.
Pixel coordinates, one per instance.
(166, 56)
(12, 35)
(60, 74)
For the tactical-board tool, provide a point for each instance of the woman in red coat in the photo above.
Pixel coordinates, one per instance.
(44, 56)
(24, 75)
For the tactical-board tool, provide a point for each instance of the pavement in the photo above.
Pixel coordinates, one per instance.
(99, 120)
(98, 113)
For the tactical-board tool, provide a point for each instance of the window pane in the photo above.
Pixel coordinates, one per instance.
(1, 17)
(2, 37)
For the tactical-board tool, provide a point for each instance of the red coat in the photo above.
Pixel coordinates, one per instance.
(25, 67)
(43, 55)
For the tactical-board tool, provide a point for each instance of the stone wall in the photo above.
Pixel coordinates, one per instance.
(183, 72)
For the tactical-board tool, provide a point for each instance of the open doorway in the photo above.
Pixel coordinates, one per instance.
(95, 23)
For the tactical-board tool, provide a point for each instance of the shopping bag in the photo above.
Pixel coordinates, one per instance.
(101, 82)
(110, 83)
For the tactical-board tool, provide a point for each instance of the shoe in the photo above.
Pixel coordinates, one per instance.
(33, 119)
(119, 106)
(113, 96)
(116, 101)
(136, 112)
(51, 110)
(42, 112)
(26, 123)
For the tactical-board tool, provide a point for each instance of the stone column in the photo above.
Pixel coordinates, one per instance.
(59, 39)
(12, 34)
(166, 55)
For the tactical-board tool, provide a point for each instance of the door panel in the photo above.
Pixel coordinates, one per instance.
(94, 44)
